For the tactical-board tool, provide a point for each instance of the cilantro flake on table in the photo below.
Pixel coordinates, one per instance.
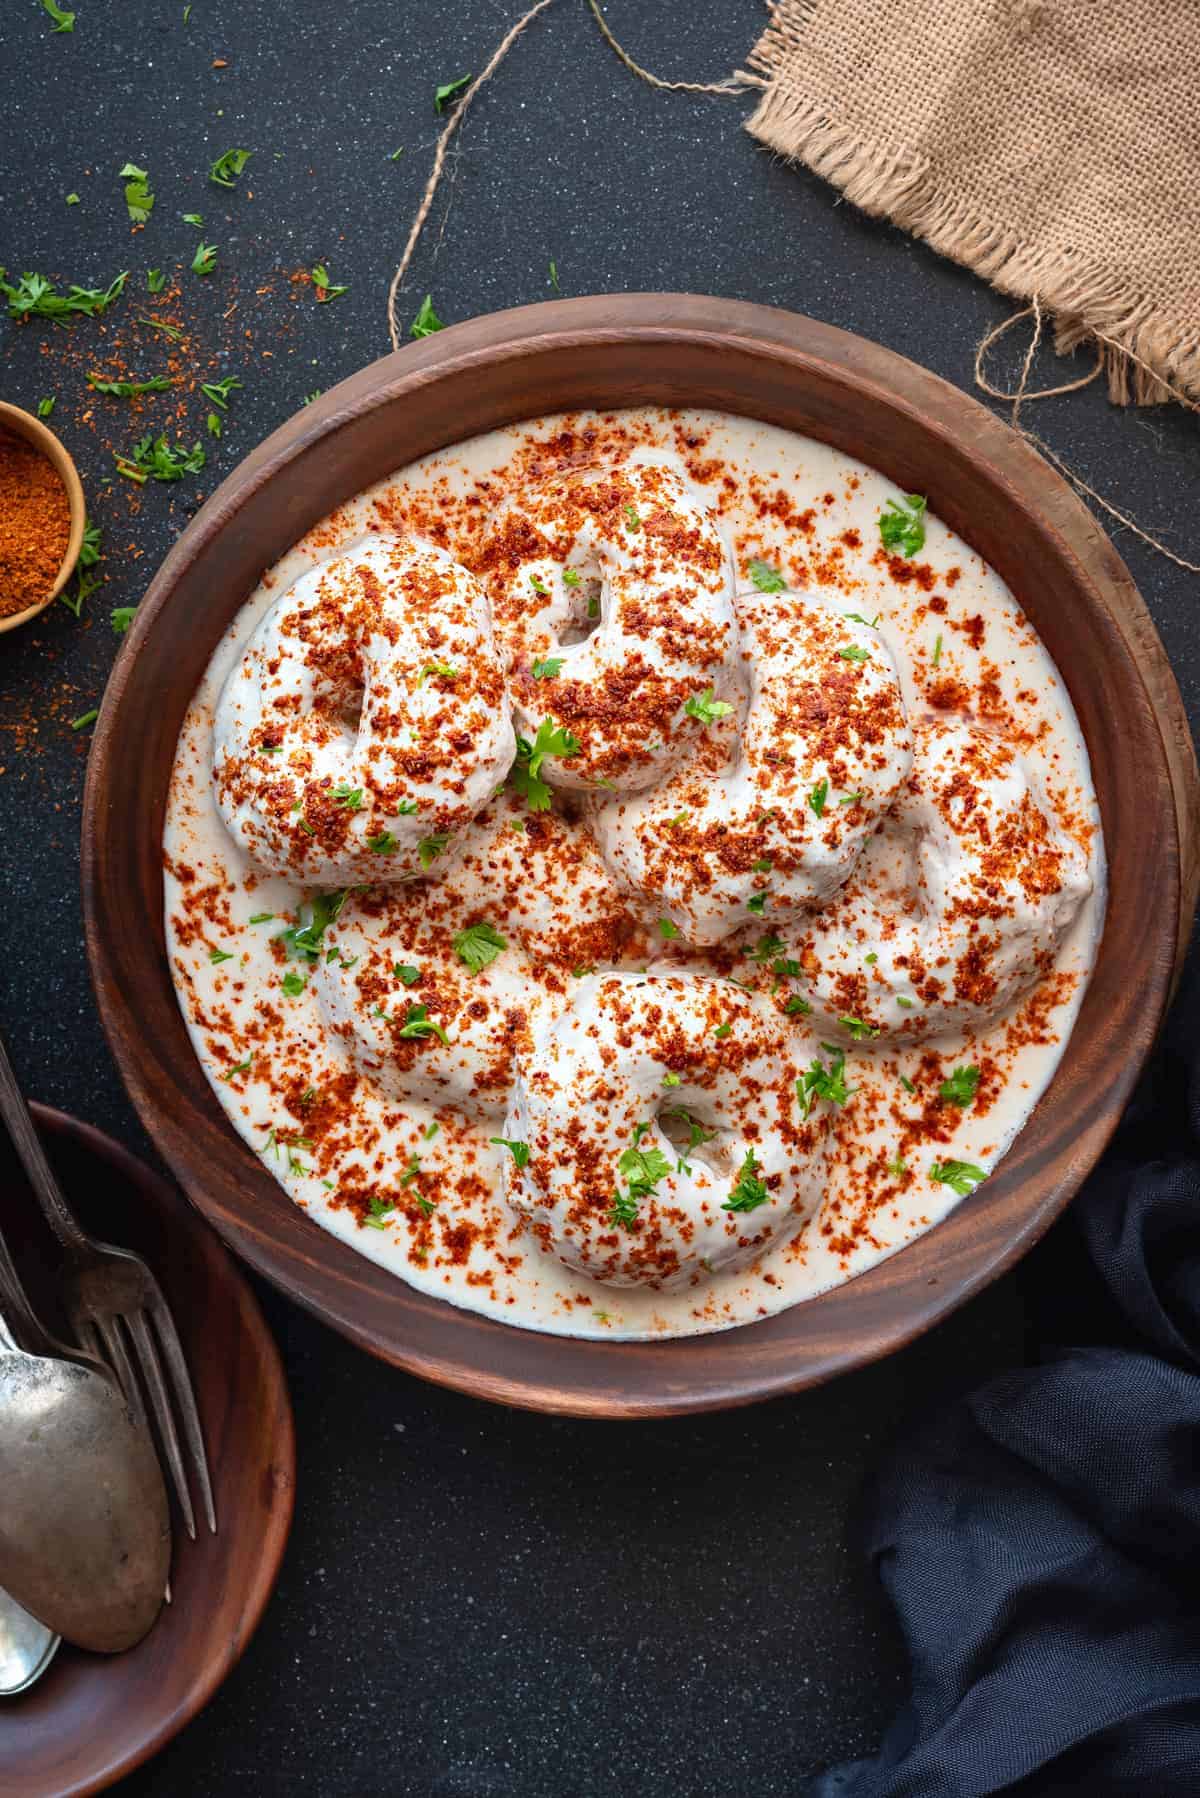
(35, 297)
(128, 390)
(426, 321)
(138, 198)
(217, 392)
(153, 458)
(449, 91)
(326, 289)
(226, 169)
(63, 21)
(205, 259)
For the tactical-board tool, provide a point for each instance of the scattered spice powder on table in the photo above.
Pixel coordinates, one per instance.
(35, 525)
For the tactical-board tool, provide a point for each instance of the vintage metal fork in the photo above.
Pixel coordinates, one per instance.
(110, 1293)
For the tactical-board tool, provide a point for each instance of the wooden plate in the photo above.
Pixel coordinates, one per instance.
(92, 1719)
(984, 481)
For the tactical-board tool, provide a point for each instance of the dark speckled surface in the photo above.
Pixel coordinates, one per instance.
(475, 1602)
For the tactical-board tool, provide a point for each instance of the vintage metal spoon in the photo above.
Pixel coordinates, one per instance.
(84, 1531)
(27, 1647)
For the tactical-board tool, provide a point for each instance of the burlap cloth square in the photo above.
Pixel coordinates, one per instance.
(1053, 146)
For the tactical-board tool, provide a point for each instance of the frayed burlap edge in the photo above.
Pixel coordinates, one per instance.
(1148, 358)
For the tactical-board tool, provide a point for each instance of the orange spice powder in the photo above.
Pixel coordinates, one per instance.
(35, 525)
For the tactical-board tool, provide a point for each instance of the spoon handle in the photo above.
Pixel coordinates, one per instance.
(40, 1174)
(15, 1305)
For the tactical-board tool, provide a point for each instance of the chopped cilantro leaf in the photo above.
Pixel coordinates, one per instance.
(478, 946)
(326, 290)
(128, 390)
(960, 1088)
(817, 798)
(961, 1176)
(121, 617)
(822, 1081)
(205, 259)
(854, 652)
(429, 848)
(766, 578)
(382, 843)
(667, 929)
(217, 392)
(525, 774)
(902, 524)
(35, 297)
(518, 1150)
(220, 955)
(749, 1191)
(549, 668)
(855, 1028)
(63, 21)
(293, 983)
(138, 198)
(226, 169)
(426, 321)
(406, 973)
(707, 708)
(417, 1022)
(450, 91)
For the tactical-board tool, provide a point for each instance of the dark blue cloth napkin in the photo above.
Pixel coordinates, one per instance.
(1040, 1540)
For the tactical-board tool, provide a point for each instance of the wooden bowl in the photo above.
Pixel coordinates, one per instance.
(93, 1718)
(41, 437)
(983, 480)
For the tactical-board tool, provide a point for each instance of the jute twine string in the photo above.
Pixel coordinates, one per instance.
(1022, 393)
(736, 84)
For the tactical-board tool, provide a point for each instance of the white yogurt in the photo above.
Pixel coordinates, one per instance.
(306, 1102)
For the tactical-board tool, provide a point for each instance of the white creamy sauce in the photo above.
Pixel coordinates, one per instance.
(470, 1247)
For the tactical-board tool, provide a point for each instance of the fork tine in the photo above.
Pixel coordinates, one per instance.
(117, 1356)
(185, 1398)
(160, 1404)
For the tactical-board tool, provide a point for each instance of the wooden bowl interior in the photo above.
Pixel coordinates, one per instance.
(92, 1718)
(674, 351)
(24, 424)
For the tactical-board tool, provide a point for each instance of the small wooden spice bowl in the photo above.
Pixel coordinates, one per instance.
(40, 437)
